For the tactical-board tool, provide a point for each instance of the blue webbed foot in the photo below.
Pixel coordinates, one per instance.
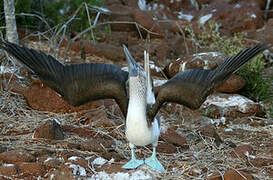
(154, 163)
(132, 164)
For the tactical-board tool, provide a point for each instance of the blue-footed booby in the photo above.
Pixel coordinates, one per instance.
(82, 83)
(139, 131)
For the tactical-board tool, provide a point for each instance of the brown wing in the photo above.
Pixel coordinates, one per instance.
(77, 84)
(191, 87)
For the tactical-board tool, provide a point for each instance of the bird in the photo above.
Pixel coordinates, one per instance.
(82, 83)
(139, 131)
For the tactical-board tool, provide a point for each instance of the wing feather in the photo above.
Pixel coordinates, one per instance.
(79, 83)
(191, 87)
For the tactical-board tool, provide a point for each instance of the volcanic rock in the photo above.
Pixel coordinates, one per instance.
(51, 129)
(230, 105)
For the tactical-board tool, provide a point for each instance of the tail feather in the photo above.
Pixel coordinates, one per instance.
(149, 82)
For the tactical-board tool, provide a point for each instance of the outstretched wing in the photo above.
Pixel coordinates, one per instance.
(78, 83)
(191, 87)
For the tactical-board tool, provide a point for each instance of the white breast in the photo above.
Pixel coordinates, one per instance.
(137, 130)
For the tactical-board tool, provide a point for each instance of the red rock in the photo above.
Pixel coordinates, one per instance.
(210, 131)
(108, 51)
(98, 118)
(112, 168)
(52, 162)
(234, 175)
(234, 17)
(78, 161)
(8, 170)
(242, 151)
(233, 84)
(238, 17)
(82, 132)
(62, 174)
(264, 34)
(229, 105)
(209, 60)
(121, 13)
(166, 148)
(96, 145)
(205, 61)
(42, 98)
(170, 136)
(31, 168)
(49, 130)
(16, 156)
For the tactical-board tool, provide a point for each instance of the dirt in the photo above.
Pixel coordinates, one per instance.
(196, 155)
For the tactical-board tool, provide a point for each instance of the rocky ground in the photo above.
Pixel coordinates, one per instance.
(229, 137)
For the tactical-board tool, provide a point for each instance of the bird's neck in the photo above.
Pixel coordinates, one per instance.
(137, 102)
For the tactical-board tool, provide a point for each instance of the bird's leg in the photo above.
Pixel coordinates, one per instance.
(153, 161)
(133, 163)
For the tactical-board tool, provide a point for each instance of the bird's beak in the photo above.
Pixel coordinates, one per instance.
(132, 65)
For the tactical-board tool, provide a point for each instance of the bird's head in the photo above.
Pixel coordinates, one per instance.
(135, 70)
